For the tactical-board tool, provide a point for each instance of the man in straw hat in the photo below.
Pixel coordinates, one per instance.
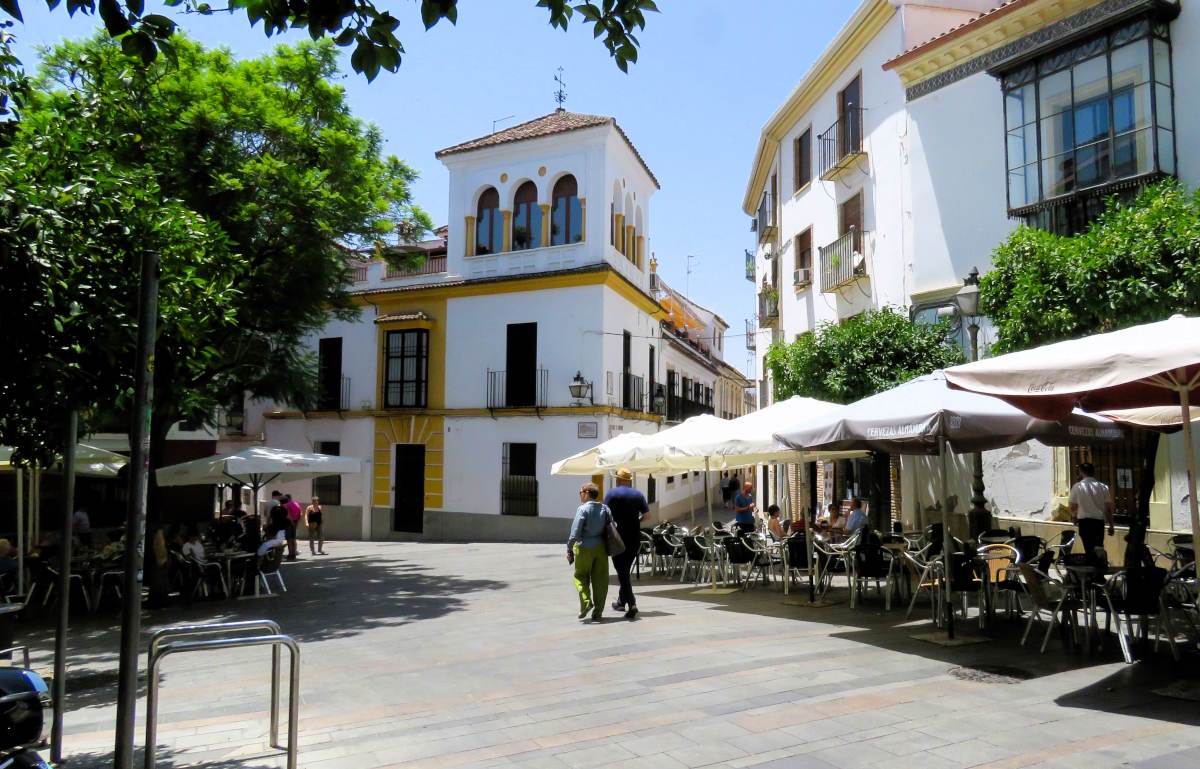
(628, 506)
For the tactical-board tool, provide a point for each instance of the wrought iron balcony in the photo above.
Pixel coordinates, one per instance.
(765, 221)
(768, 306)
(518, 389)
(841, 144)
(751, 332)
(330, 400)
(842, 261)
(633, 393)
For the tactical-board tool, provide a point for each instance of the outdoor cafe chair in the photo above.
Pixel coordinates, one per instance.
(1138, 592)
(994, 537)
(998, 570)
(738, 554)
(1066, 542)
(796, 548)
(926, 566)
(46, 578)
(767, 558)
(872, 561)
(1047, 594)
(268, 566)
(694, 556)
(833, 557)
(111, 577)
(668, 550)
(205, 571)
(645, 553)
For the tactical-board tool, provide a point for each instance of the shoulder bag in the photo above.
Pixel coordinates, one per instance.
(613, 545)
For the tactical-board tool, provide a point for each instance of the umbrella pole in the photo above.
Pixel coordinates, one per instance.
(946, 538)
(20, 532)
(692, 500)
(1185, 407)
(710, 521)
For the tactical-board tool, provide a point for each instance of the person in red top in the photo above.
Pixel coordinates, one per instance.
(294, 511)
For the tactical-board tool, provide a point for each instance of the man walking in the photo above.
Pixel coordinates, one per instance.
(1091, 507)
(628, 506)
(743, 508)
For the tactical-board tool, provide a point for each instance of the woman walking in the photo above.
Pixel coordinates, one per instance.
(585, 549)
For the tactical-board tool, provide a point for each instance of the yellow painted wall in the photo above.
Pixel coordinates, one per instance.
(408, 428)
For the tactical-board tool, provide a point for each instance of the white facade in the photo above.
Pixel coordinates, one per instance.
(931, 170)
(455, 378)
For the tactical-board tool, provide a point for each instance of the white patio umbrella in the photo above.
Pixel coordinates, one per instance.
(924, 416)
(255, 467)
(89, 461)
(585, 462)
(1154, 364)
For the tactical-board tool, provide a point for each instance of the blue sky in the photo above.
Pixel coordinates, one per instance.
(710, 73)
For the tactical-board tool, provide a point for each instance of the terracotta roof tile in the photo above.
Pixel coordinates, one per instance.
(559, 121)
(1005, 6)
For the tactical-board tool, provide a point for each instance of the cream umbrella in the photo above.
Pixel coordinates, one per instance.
(1154, 364)
(586, 462)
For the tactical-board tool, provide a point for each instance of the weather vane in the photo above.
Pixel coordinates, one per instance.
(560, 93)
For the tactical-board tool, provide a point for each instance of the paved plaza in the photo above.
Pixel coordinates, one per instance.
(449, 655)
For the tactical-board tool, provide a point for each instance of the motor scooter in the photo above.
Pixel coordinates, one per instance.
(24, 699)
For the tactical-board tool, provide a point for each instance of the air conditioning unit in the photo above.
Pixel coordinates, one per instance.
(655, 285)
(802, 276)
(860, 263)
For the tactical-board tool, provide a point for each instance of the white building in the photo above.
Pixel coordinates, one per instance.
(455, 383)
(924, 134)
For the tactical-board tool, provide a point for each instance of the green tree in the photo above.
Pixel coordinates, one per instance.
(272, 173)
(371, 30)
(867, 354)
(1138, 262)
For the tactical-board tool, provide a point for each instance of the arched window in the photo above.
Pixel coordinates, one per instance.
(527, 218)
(489, 225)
(566, 214)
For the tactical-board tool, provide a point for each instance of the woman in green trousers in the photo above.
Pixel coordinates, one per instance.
(585, 549)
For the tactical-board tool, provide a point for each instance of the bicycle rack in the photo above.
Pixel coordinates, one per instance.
(220, 639)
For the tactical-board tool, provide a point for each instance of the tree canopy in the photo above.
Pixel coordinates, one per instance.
(864, 355)
(359, 23)
(247, 177)
(1139, 262)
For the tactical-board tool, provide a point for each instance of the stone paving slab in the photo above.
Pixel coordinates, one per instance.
(464, 655)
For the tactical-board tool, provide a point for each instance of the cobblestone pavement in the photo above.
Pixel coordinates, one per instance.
(448, 655)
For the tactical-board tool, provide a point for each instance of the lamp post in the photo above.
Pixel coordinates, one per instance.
(581, 388)
(978, 518)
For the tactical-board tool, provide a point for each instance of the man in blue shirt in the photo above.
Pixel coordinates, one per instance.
(743, 507)
(858, 516)
(628, 506)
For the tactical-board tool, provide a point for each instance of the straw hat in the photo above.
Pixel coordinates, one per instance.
(624, 474)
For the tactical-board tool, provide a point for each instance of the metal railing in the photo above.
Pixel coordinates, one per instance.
(358, 273)
(331, 401)
(750, 334)
(768, 306)
(633, 396)
(226, 635)
(519, 495)
(532, 394)
(765, 221)
(431, 266)
(841, 261)
(841, 141)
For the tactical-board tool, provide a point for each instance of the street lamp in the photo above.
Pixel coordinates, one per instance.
(581, 388)
(967, 299)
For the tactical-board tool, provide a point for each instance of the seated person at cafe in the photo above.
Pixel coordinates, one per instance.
(8, 557)
(192, 547)
(833, 518)
(277, 539)
(226, 530)
(858, 516)
(743, 506)
(252, 536)
(773, 524)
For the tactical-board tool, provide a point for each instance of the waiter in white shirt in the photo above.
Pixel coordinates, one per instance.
(1091, 508)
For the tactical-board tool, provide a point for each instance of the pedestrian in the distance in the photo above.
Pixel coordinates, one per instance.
(585, 550)
(313, 518)
(627, 506)
(294, 511)
(726, 490)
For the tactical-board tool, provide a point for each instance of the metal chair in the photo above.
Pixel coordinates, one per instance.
(268, 566)
(871, 561)
(205, 571)
(766, 560)
(1138, 592)
(1046, 594)
(796, 546)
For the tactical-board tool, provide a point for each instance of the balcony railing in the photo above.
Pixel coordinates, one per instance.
(431, 266)
(768, 306)
(633, 393)
(841, 144)
(751, 332)
(765, 221)
(680, 408)
(328, 400)
(842, 261)
(518, 390)
(358, 273)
